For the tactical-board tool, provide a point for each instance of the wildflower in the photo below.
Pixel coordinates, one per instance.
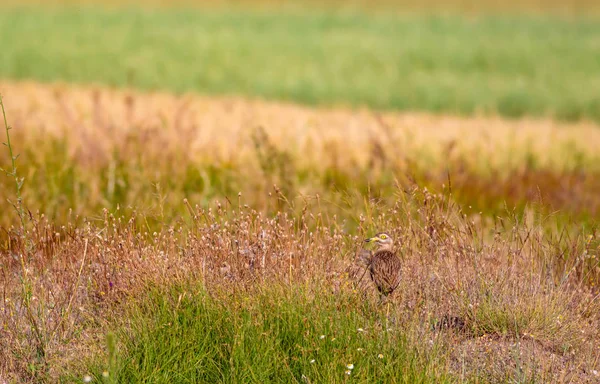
(359, 349)
(380, 356)
(105, 374)
(350, 366)
(348, 372)
(333, 339)
(595, 372)
(312, 361)
(87, 378)
(322, 337)
(360, 330)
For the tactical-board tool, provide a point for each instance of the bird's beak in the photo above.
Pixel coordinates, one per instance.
(370, 240)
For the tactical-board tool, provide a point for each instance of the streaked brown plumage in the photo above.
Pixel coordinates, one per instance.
(384, 265)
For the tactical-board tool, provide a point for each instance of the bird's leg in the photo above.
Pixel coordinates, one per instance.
(387, 314)
(388, 320)
(384, 299)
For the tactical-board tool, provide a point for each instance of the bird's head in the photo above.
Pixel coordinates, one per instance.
(383, 240)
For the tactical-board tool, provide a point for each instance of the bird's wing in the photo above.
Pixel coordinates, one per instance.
(385, 267)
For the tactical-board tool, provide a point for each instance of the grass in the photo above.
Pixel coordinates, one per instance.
(238, 294)
(90, 149)
(278, 336)
(513, 65)
(240, 287)
(173, 238)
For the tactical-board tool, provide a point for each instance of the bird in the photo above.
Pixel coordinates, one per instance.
(384, 265)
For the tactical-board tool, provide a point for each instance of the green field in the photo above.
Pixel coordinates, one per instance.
(513, 65)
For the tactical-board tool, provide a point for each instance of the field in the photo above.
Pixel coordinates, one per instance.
(485, 64)
(193, 187)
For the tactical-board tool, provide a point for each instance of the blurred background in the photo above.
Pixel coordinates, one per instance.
(111, 99)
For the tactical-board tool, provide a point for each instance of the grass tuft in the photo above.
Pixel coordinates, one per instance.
(279, 334)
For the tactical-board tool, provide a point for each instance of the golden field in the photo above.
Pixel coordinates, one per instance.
(121, 144)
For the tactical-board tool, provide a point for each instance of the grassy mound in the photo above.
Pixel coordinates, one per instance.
(283, 335)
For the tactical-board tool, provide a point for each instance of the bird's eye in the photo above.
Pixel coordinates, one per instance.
(383, 237)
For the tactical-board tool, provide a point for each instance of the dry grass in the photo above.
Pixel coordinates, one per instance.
(221, 126)
(488, 298)
(99, 148)
(508, 287)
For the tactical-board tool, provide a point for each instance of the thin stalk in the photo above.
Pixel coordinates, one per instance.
(25, 283)
(13, 172)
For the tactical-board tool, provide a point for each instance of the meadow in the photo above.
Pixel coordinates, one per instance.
(195, 213)
(512, 65)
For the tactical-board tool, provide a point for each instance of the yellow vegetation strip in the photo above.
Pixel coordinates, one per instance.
(220, 128)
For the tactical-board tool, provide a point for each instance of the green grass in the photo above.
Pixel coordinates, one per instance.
(273, 337)
(538, 65)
